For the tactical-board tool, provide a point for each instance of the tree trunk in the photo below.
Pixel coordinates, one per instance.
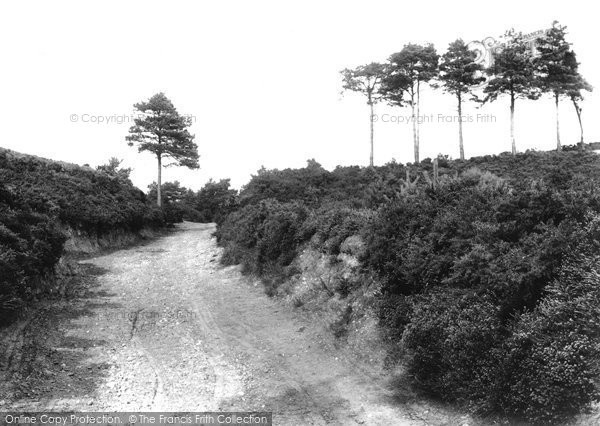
(460, 128)
(436, 174)
(414, 126)
(578, 111)
(371, 156)
(558, 146)
(418, 115)
(512, 124)
(158, 183)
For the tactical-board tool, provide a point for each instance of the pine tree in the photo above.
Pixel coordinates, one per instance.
(407, 70)
(512, 74)
(365, 79)
(162, 131)
(459, 74)
(557, 72)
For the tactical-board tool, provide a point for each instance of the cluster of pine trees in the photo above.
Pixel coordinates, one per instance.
(519, 70)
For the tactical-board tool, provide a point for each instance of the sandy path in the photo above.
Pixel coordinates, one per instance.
(164, 327)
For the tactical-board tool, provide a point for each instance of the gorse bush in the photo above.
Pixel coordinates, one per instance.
(277, 242)
(551, 361)
(469, 258)
(30, 245)
(451, 342)
(262, 236)
(84, 199)
(286, 185)
(214, 201)
(480, 297)
(330, 225)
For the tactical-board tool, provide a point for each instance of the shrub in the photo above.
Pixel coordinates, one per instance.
(332, 225)
(154, 216)
(393, 312)
(552, 359)
(263, 237)
(286, 185)
(214, 201)
(354, 246)
(465, 259)
(85, 199)
(278, 233)
(451, 345)
(173, 196)
(30, 246)
(239, 235)
(173, 213)
(415, 240)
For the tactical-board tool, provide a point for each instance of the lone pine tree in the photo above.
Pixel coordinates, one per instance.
(162, 131)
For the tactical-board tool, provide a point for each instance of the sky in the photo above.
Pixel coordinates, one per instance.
(260, 80)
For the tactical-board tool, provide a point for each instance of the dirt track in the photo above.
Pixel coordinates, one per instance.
(163, 327)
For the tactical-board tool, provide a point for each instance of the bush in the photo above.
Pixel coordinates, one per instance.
(451, 345)
(415, 240)
(354, 246)
(459, 263)
(173, 213)
(84, 199)
(214, 201)
(154, 216)
(278, 233)
(263, 237)
(552, 359)
(331, 226)
(286, 185)
(30, 246)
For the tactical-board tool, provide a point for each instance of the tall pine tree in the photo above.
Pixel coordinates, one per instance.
(366, 79)
(459, 74)
(557, 72)
(407, 71)
(512, 74)
(162, 131)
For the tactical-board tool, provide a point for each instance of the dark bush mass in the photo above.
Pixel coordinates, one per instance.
(80, 197)
(30, 245)
(486, 267)
(263, 236)
(214, 201)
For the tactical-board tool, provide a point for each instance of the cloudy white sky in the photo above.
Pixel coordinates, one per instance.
(261, 79)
